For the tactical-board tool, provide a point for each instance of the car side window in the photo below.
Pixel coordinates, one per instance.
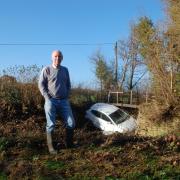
(104, 117)
(96, 113)
(100, 115)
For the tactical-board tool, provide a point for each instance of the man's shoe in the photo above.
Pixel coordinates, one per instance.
(53, 152)
(50, 145)
(69, 138)
(70, 146)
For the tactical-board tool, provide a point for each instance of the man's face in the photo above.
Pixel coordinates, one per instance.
(56, 58)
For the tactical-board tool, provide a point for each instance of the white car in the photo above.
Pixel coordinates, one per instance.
(110, 119)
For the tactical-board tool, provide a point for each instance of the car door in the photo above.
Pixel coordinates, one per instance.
(107, 124)
(96, 119)
(102, 121)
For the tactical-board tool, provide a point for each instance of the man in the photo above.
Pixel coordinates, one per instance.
(54, 85)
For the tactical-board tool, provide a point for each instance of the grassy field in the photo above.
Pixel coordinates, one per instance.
(24, 155)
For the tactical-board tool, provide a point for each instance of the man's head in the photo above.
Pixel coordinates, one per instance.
(57, 57)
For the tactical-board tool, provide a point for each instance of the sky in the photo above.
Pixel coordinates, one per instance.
(76, 27)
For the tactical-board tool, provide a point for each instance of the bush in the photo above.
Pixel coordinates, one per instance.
(17, 99)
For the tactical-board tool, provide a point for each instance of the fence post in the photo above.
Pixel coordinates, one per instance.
(108, 96)
(131, 97)
(146, 96)
(117, 98)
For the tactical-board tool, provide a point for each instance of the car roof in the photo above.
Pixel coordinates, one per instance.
(104, 107)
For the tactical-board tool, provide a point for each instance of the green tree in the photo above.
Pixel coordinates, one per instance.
(144, 32)
(103, 71)
(154, 50)
(173, 39)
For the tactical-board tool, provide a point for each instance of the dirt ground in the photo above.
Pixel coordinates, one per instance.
(24, 154)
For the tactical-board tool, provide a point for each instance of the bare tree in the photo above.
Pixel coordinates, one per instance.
(131, 61)
(123, 51)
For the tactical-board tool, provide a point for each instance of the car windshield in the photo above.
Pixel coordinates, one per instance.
(119, 116)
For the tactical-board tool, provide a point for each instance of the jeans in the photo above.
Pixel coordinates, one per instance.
(54, 106)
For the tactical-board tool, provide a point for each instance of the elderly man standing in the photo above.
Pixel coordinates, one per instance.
(54, 85)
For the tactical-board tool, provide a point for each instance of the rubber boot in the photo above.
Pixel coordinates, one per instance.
(69, 138)
(50, 145)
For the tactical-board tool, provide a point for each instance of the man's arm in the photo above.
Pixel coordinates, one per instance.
(68, 82)
(43, 84)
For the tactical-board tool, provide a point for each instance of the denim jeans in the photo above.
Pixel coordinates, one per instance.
(56, 106)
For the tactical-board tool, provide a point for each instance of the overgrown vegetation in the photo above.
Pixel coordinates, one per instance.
(21, 98)
(151, 51)
(153, 153)
(24, 154)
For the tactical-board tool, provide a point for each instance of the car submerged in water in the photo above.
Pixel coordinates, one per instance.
(110, 119)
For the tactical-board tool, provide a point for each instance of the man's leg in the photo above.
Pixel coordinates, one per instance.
(69, 138)
(66, 113)
(50, 111)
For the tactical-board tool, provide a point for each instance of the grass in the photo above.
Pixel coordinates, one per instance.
(3, 176)
(154, 129)
(54, 165)
(98, 157)
(3, 143)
